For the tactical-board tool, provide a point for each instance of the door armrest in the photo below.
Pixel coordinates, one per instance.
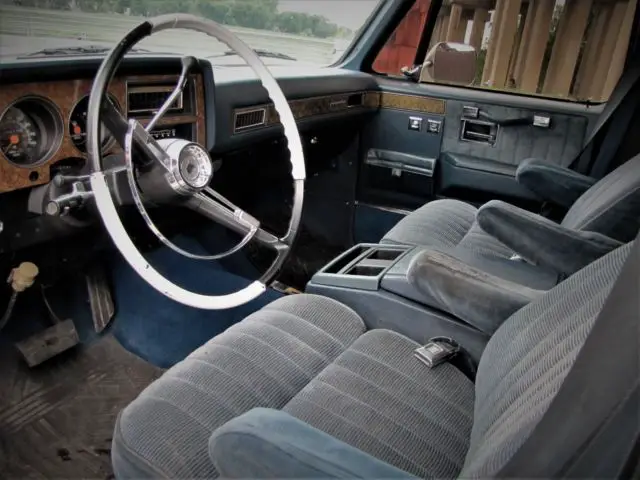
(553, 183)
(541, 241)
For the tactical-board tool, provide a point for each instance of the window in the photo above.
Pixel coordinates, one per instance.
(282, 31)
(400, 49)
(570, 49)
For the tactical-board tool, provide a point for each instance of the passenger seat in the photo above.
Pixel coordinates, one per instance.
(608, 213)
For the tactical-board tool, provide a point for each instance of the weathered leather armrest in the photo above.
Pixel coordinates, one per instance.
(476, 297)
(542, 241)
(552, 182)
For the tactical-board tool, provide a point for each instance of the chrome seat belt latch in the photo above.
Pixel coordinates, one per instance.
(436, 352)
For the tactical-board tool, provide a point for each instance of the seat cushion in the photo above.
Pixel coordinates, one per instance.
(378, 397)
(612, 206)
(263, 361)
(441, 223)
(446, 224)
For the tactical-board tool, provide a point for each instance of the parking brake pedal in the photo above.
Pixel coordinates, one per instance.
(52, 341)
(100, 298)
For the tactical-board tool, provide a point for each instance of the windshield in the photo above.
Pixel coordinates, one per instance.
(281, 31)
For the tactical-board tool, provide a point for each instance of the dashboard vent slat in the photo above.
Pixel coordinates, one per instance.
(250, 119)
(146, 100)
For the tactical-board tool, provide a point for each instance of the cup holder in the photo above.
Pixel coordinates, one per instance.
(365, 271)
(362, 266)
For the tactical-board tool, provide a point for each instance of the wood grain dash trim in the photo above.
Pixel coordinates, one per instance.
(414, 103)
(64, 95)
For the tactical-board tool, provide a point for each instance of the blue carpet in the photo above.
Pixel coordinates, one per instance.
(162, 331)
(146, 323)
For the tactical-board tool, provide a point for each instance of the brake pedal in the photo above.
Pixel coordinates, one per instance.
(100, 298)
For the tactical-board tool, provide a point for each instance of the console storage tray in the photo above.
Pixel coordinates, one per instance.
(361, 267)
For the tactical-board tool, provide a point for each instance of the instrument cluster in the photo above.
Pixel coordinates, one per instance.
(31, 131)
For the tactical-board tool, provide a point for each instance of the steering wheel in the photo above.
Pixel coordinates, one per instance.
(179, 171)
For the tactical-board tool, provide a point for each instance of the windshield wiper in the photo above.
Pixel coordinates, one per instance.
(77, 50)
(261, 53)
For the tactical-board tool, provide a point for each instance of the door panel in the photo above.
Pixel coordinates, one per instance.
(480, 139)
(560, 143)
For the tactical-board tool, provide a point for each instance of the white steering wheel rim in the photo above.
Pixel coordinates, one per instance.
(106, 206)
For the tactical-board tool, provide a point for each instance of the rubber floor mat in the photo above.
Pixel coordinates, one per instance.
(56, 420)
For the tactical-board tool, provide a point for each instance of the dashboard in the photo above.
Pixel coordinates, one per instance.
(43, 109)
(44, 123)
(42, 119)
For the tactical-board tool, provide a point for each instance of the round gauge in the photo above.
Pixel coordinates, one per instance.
(30, 132)
(78, 127)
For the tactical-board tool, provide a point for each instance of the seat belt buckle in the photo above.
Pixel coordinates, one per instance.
(437, 351)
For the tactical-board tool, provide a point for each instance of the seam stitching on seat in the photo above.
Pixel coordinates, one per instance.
(455, 406)
(315, 327)
(364, 432)
(227, 375)
(418, 412)
(286, 387)
(390, 394)
(123, 442)
(294, 337)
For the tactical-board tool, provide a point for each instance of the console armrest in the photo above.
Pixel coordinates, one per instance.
(266, 443)
(476, 297)
(541, 241)
(553, 183)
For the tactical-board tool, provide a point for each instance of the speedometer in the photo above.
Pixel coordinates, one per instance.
(19, 137)
(78, 127)
(30, 131)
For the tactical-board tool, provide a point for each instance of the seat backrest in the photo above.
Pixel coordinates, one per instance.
(611, 206)
(528, 358)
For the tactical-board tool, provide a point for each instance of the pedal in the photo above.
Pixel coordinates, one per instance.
(286, 289)
(48, 343)
(100, 298)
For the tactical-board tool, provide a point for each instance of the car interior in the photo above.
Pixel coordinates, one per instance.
(421, 261)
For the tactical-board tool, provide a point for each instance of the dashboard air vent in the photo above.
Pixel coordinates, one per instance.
(146, 100)
(250, 119)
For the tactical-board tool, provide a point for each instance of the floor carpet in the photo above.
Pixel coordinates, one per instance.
(56, 421)
(163, 331)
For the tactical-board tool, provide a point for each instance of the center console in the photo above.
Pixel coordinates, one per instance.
(425, 292)
(356, 279)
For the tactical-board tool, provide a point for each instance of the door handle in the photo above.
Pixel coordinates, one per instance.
(507, 122)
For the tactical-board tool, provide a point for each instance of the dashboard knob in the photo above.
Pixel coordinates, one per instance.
(52, 208)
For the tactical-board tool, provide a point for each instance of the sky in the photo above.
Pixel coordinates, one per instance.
(346, 13)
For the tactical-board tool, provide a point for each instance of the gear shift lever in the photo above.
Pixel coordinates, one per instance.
(187, 64)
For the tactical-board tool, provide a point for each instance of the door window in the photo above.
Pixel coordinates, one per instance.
(569, 49)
